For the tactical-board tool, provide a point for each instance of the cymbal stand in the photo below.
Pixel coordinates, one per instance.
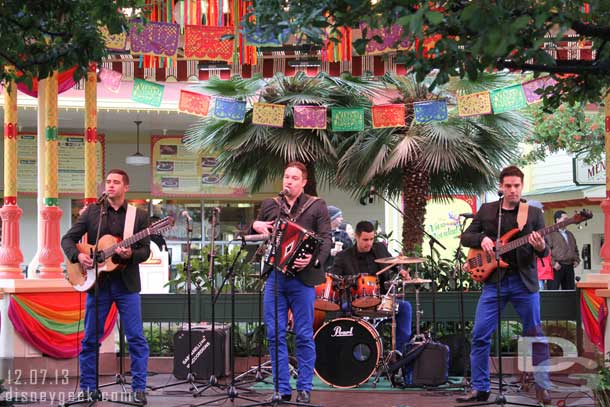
(393, 354)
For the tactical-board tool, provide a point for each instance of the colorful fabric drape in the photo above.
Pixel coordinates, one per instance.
(347, 118)
(268, 114)
(230, 109)
(194, 103)
(391, 39)
(594, 314)
(474, 104)
(530, 88)
(160, 39)
(507, 98)
(432, 110)
(65, 79)
(392, 115)
(54, 323)
(309, 117)
(146, 92)
(201, 42)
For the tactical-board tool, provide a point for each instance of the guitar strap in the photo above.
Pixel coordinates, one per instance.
(522, 215)
(130, 221)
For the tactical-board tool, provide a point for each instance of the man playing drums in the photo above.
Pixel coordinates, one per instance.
(360, 260)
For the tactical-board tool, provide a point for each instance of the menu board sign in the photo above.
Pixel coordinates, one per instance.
(71, 163)
(179, 172)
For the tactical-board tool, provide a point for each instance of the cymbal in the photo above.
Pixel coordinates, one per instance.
(401, 260)
(417, 281)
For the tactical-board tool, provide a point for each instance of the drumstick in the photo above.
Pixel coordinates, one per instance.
(383, 270)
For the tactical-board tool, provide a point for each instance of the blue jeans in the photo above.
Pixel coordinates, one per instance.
(293, 294)
(403, 325)
(130, 311)
(527, 305)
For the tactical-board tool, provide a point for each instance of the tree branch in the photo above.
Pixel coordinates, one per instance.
(571, 67)
(590, 30)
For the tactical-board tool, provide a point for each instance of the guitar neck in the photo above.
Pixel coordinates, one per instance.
(513, 244)
(109, 251)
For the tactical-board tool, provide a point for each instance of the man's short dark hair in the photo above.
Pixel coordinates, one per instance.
(299, 166)
(511, 171)
(364, 226)
(558, 214)
(120, 172)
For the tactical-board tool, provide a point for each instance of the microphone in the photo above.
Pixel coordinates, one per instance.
(255, 238)
(467, 215)
(372, 193)
(283, 192)
(102, 198)
(500, 194)
(185, 213)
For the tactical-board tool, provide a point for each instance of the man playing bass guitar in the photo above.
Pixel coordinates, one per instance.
(518, 281)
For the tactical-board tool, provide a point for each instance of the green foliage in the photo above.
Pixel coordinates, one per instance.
(468, 37)
(446, 276)
(200, 267)
(569, 128)
(39, 37)
(160, 339)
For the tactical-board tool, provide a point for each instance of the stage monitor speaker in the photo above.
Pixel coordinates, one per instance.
(201, 353)
(432, 366)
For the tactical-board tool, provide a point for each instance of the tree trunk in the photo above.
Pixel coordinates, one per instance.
(311, 188)
(415, 189)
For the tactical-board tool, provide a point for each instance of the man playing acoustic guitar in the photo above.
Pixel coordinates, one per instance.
(121, 286)
(519, 281)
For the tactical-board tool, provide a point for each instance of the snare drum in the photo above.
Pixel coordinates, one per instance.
(327, 298)
(366, 294)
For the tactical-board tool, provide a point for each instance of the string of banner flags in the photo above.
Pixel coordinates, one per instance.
(495, 101)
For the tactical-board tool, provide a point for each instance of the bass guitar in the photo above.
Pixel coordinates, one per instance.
(481, 264)
(83, 279)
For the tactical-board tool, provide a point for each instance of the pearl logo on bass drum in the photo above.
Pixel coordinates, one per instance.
(338, 332)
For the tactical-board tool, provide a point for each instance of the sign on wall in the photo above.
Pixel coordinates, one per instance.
(443, 221)
(71, 163)
(589, 174)
(179, 172)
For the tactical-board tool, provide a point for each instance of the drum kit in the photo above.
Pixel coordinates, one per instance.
(349, 349)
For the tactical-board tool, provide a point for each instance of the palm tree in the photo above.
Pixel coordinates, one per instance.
(253, 154)
(460, 155)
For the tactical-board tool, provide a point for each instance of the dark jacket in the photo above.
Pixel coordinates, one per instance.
(314, 219)
(346, 263)
(87, 223)
(485, 223)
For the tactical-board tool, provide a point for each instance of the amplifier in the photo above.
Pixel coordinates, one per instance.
(201, 353)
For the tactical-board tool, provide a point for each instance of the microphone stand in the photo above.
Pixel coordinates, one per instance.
(500, 398)
(97, 257)
(459, 264)
(190, 377)
(431, 241)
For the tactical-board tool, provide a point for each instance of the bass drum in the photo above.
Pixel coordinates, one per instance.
(347, 352)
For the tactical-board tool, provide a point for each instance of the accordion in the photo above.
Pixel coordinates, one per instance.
(291, 242)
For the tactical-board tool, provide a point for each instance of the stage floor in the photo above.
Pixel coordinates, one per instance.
(55, 390)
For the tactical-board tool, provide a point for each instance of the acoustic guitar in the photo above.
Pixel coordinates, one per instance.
(83, 280)
(481, 264)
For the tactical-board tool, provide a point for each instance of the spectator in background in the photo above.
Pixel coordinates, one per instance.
(544, 264)
(564, 257)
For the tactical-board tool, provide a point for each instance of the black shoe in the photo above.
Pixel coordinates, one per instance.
(303, 396)
(139, 397)
(475, 395)
(286, 397)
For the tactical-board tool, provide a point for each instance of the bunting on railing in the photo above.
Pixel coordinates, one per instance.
(53, 323)
(194, 103)
(530, 88)
(309, 117)
(202, 42)
(146, 92)
(430, 110)
(268, 114)
(114, 42)
(110, 79)
(391, 39)
(594, 314)
(230, 109)
(347, 118)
